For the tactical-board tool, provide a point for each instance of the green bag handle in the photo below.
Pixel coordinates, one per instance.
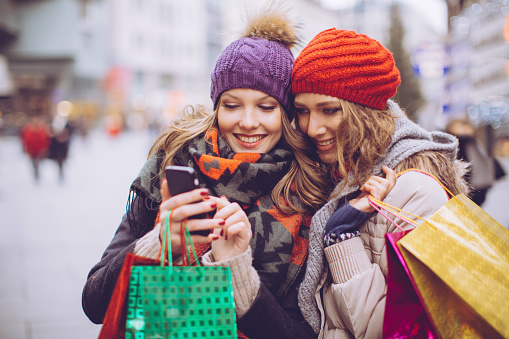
(166, 245)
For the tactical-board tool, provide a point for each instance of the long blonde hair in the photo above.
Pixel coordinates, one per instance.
(365, 133)
(303, 177)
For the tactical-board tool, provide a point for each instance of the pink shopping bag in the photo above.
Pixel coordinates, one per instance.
(405, 316)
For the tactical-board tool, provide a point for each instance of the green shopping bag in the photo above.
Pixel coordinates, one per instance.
(180, 301)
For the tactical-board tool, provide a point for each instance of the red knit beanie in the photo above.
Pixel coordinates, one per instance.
(346, 65)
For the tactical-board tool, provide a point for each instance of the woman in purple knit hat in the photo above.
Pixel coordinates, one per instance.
(251, 167)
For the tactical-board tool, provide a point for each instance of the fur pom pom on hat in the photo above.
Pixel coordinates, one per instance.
(346, 65)
(260, 60)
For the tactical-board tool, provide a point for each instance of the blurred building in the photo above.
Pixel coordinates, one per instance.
(423, 41)
(478, 81)
(134, 61)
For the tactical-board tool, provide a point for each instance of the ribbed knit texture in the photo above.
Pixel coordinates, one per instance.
(245, 280)
(254, 63)
(346, 65)
(408, 139)
(347, 259)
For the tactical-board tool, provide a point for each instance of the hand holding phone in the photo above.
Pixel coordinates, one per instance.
(183, 179)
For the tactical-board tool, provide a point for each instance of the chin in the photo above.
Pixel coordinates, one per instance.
(328, 159)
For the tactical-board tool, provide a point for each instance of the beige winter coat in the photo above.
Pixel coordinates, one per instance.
(359, 264)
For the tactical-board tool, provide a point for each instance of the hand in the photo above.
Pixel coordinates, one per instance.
(235, 235)
(378, 187)
(185, 205)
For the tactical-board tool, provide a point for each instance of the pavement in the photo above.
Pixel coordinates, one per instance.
(53, 232)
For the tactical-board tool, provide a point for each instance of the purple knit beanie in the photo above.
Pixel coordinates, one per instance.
(260, 60)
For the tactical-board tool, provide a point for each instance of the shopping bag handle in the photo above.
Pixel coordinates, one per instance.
(186, 243)
(380, 206)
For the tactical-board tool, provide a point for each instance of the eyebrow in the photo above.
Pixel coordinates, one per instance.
(320, 104)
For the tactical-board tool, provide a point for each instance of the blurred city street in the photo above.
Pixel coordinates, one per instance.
(53, 232)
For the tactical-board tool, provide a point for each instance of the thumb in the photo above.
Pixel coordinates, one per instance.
(165, 191)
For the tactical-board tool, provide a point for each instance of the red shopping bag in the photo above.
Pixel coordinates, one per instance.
(405, 316)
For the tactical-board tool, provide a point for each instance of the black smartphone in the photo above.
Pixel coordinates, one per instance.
(183, 179)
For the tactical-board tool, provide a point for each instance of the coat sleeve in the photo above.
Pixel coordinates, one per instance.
(355, 301)
(259, 313)
(268, 318)
(103, 276)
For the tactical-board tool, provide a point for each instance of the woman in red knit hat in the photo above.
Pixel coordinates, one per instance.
(342, 83)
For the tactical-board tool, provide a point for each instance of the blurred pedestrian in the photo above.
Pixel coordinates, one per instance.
(35, 138)
(60, 140)
(484, 169)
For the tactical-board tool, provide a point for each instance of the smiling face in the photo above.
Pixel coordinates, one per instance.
(249, 120)
(319, 117)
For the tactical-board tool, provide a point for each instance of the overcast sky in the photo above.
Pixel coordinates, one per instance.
(434, 10)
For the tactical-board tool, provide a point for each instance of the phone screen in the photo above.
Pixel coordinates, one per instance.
(183, 179)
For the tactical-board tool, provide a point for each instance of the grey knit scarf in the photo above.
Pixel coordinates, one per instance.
(407, 140)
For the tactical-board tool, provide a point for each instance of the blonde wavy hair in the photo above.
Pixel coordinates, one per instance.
(303, 177)
(364, 134)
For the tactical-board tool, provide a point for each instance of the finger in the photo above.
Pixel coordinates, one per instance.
(186, 211)
(221, 202)
(390, 174)
(165, 192)
(185, 198)
(239, 229)
(209, 225)
(228, 210)
(198, 239)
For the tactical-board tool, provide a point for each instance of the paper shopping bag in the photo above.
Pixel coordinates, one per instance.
(459, 260)
(180, 301)
(114, 320)
(405, 316)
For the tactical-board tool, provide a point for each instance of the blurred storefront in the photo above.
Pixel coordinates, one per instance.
(478, 81)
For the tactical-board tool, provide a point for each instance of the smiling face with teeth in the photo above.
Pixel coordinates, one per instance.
(319, 116)
(249, 120)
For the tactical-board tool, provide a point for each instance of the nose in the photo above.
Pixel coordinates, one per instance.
(249, 119)
(316, 126)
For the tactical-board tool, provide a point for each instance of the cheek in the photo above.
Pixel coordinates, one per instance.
(223, 123)
(303, 123)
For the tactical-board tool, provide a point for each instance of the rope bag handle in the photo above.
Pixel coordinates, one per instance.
(382, 207)
(186, 244)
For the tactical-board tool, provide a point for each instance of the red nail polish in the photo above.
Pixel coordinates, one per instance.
(214, 205)
(226, 236)
(221, 223)
(206, 198)
(204, 193)
(215, 237)
(222, 232)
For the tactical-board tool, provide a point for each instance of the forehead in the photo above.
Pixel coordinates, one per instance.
(314, 99)
(245, 93)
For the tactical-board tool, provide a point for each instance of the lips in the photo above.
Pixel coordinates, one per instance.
(249, 139)
(325, 145)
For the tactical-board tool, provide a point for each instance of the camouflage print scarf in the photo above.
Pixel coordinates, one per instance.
(280, 241)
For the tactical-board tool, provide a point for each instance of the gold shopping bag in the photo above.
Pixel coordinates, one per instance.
(459, 259)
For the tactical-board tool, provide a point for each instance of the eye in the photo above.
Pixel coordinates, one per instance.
(331, 111)
(267, 108)
(230, 106)
(301, 111)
